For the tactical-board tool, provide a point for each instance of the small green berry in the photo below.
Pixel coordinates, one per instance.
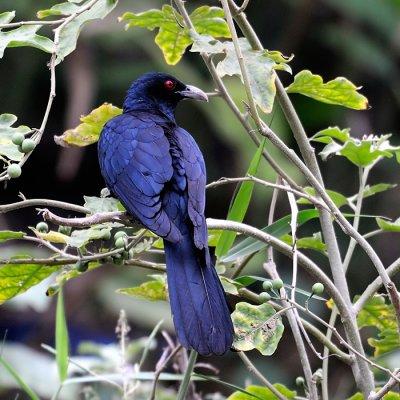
(120, 243)
(299, 381)
(125, 255)
(120, 234)
(65, 230)
(264, 297)
(277, 284)
(267, 285)
(28, 145)
(17, 138)
(42, 227)
(82, 266)
(14, 171)
(318, 288)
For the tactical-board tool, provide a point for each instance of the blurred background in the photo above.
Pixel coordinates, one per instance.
(359, 39)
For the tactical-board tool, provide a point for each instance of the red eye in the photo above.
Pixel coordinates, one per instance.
(169, 84)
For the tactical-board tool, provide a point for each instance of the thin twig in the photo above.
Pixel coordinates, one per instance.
(271, 217)
(5, 208)
(344, 342)
(94, 219)
(253, 369)
(298, 193)
(363, 177)
(386, 388)
(160, 367)
(271, 269)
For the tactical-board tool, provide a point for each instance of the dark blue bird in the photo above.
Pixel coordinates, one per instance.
(157, 171)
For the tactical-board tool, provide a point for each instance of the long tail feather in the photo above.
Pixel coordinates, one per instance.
(199, 308)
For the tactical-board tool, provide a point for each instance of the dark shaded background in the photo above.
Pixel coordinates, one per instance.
(359, 39)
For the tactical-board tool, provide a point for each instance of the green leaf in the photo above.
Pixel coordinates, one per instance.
(102, 204)
(339, 199)
(10, 235)
(333, 132)
(339, 91)
(69, 34)
(261, 70)
(88, 132)
(67, 8)
(256, 327)
(62, 341)
(313, 242)
(240, 204)
(172, 38)
(80, 237)
(361, 152)
(18, 278)
(378, 314)
(229, 285)
(24, 36)
(210, 21)
(374, 189)
(388, 226)
(6, 17)
(263, 393)
(7, 147)
(23, 385)
(153, 290)
(277, 229)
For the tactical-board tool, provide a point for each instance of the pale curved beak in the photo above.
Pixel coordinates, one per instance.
(192, 92)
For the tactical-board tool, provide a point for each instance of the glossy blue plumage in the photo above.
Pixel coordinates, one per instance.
(157, 171)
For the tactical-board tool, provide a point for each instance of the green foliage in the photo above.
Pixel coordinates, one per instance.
(374, 189)
(10, 235)
(278, 229)
(256, 327)
(388, 226)
(70, 32)
(18, 278)
(263, 393)
(229, 285)
(22, 36)
(378, 314)
(172, 38)
(153, 290)
(339, 91)
(361, 152)
(102, 204)
(62, 341)
(67, 8)
(313, 242)
(7, 147)
(339, 199)
(88, 132)
(240, 204)
(260, 64)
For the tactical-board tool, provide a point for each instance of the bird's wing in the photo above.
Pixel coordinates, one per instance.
(195, 172)
(136, 163)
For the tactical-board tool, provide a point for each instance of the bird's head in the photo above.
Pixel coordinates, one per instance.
(160, 90)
